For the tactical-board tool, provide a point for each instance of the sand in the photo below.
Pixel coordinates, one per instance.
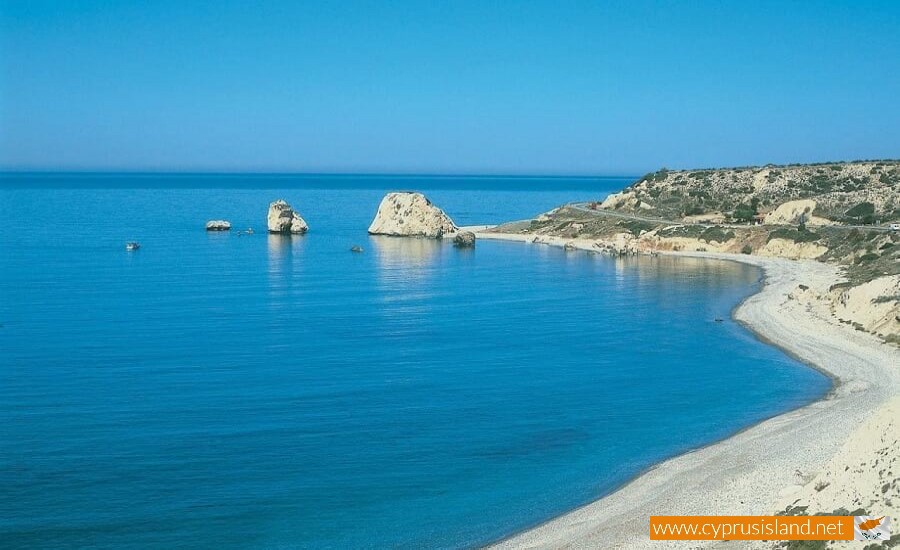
(778, 462)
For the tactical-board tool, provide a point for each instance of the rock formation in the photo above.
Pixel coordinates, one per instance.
(875, 306)
(786, 248)
(218, 225)
(283, 219)
(464, 239)
(410, 215)
(795, 212)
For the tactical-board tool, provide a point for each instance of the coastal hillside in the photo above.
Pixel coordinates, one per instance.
(844, 192)
(839, 213)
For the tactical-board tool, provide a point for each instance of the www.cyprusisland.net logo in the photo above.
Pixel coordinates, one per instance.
(871, 528)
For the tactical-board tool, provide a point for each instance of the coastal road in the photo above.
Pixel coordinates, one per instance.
(583, 207)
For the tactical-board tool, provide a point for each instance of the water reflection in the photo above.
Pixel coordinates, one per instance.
(406, 256)
(406, 275)
(285, 261)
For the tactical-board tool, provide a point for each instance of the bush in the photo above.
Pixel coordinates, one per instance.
(694, 210)
(747, 249)
(860, 210)
(744, 213)
(805, 236)
(867, 258)
(635, 227)
(717, 234)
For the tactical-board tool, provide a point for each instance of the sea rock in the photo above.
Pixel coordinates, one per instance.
(218, 225)
(620, 244)
(464, 239)
(410, 215)
(283, 219)
(356, 248)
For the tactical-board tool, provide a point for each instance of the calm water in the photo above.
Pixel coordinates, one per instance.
(224, 391)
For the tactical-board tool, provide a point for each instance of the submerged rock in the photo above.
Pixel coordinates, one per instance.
(410, 215)
(218, 225)
(356, 248)
(464, 239)
(283, 219)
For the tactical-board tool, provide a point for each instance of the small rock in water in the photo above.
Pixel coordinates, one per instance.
(283, 219)
(218, 225)
(356, 248)
(464, 239)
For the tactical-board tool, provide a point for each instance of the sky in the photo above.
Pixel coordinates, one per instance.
(455, 87)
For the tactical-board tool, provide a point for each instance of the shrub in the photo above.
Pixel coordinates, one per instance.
(744, 213)
(635, 226)
(805, 236)
(694, 210)
(747, 249)
(867, 258)
(860, 210)
(717, 234)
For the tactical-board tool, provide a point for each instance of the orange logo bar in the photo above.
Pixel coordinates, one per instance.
(751, 527)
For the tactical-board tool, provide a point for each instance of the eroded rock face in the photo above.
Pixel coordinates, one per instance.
(795, 212)
(283, 219)
(410, 215)
(218, 225)
(785, 248)
(875, 306)
(464, 239)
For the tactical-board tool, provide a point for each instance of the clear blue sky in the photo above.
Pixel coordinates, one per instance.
(445, 87)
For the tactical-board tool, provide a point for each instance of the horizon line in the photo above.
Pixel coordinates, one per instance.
(108, 172)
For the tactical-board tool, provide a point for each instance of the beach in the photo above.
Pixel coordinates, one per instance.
(782, 461)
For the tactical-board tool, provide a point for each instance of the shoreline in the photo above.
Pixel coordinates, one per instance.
(761, 468)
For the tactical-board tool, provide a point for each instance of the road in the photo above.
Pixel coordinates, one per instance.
(583, 207)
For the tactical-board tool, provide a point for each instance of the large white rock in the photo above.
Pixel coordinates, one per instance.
(794, 212)
(410, 215)
(283, 219)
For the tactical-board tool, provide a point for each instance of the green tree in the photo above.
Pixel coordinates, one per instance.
(864, 211)
(744, 213)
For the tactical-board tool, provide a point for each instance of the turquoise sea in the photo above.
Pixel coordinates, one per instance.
(226, 391)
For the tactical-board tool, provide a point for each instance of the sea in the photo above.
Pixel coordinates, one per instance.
(226, 390)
